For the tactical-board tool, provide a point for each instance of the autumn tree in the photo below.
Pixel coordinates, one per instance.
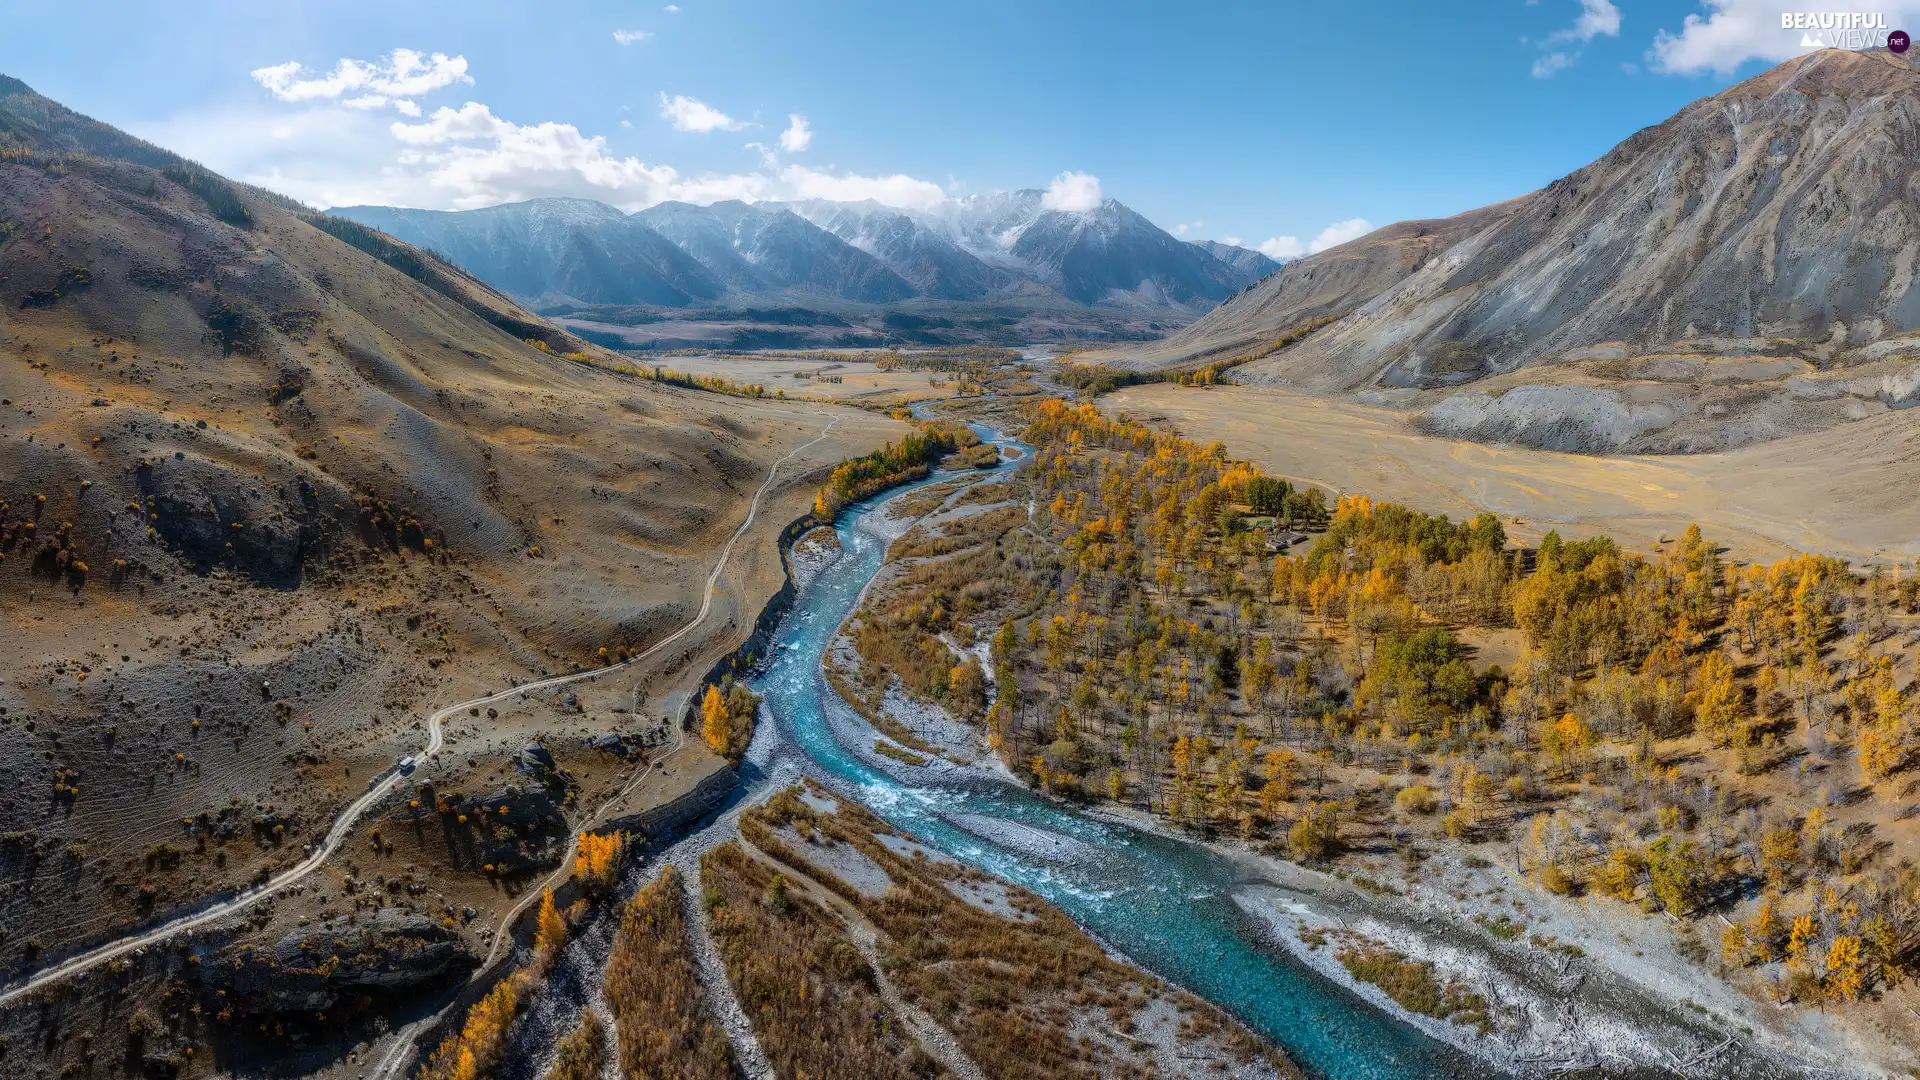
(474, 1050)
(1716, 700)
(1316, 835)
(1619, 875)
(1779, 854)
(1676, 874)
(1566, 741)
(713, 720)
(596, 858)
(1845, 977)
(550, 932)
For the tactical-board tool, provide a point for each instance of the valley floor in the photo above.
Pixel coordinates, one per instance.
(1837, 492)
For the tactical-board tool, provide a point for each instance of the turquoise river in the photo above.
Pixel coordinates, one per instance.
(1163, 902)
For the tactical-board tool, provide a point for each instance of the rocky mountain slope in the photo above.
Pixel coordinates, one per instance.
(1742, 271)
(761, 249)
(1004, 247)
(1252, 265)
(555, 249)
(271, 483)
(933, 262)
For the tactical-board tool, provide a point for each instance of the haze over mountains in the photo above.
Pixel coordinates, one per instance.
(1742, 271)
(1004, 248)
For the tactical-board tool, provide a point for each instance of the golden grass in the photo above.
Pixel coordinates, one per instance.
(810, 995)
(659, 1008)
(1015, 992)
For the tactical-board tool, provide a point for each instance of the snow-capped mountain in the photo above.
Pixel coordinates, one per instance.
(930, 259)
(766, 247)
(1001, 246)
(551, 250)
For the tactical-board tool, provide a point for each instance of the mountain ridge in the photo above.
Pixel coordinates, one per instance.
(982, 248)
(1741, 271)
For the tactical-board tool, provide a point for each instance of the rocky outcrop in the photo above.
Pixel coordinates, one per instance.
(216, 515)
(313, 968)
(682, 810)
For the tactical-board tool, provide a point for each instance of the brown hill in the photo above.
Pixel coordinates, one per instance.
(270, 484)
(1742, 271)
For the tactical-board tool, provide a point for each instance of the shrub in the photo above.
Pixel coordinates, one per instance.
(1317, 834)
(1556, 881)
(1416, 799)
(1412, 986)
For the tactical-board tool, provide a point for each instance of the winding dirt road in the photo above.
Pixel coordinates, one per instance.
(348, 818)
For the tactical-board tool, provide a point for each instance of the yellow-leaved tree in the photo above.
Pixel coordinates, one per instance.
(596, 857)
(550, 930)
(713, 720)
(1844, 975)
(1716, 700)
(474, 1050)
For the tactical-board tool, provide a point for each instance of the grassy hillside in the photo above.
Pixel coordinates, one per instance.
(271, 485)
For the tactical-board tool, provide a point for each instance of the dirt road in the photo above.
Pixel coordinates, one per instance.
(343, 825)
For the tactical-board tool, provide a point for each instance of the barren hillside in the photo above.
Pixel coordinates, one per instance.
(266, 497)
(1740, 272)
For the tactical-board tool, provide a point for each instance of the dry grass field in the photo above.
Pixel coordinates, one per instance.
(1838, 492)
(859, 383)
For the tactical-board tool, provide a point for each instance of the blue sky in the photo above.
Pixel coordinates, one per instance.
(1262, 122)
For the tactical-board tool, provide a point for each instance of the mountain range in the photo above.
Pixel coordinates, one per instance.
(1742, 271)
(1004, 247)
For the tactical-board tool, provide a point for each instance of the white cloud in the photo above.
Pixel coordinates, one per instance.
(1598, 18)
(1232, 240)
(1551, 64)
(899, 190)
(470, 157)
(1290, 247)
(1339, 233)
(1278, 247)
(798, 135)
(470, 121)
(1186, 227)
(628, 37)
(1728, 33)
(1072, 191)
(329, 148)
(404, 74)
(687, 114)
(672, 9)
